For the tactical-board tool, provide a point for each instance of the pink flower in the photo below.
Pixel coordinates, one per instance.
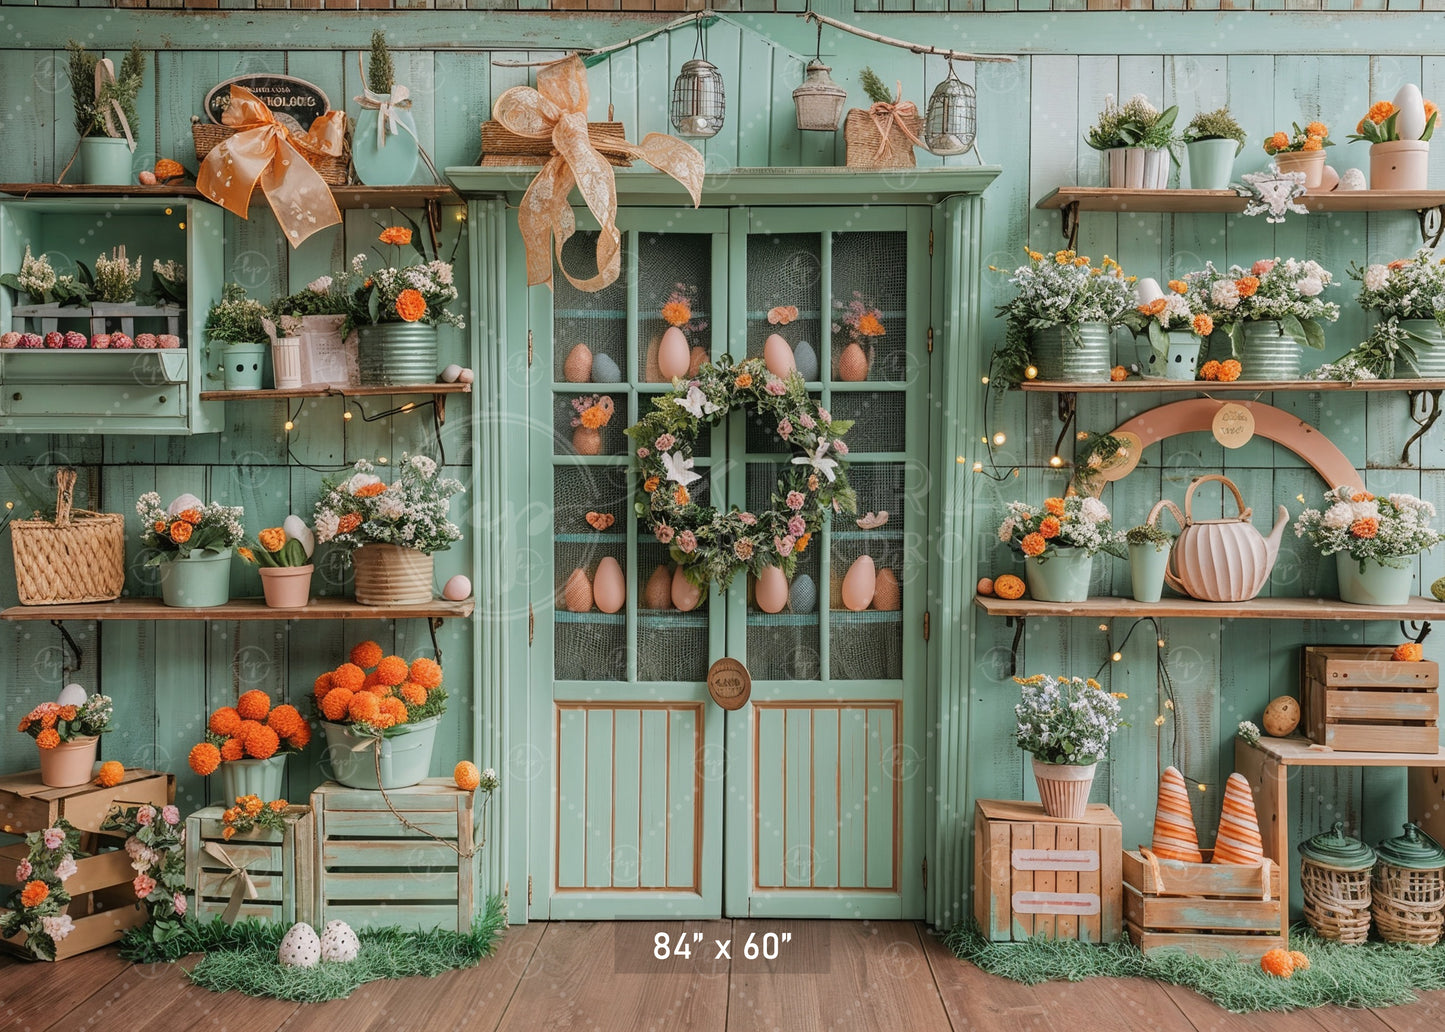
(53, 837)
(785, 429)
(144, 885)
(23, 871)
(840, 447)
(171, 815)
(776, 388)
(665, 442)
(664, 533)
(643, 452)
(824, 416)
(687, 542)
(748, 519)
(784, 545)
(796, 526)
(807, 421)
(66, 868)
(179, 902)
(145, 815)
(795, 500)
(1262, 266)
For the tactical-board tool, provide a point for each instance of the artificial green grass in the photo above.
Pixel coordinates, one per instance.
(1373, 974)
(242, 957)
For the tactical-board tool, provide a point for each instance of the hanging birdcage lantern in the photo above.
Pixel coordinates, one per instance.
(950, 126)
(819, 100)
(699, 101)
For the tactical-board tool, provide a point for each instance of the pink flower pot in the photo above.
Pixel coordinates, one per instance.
(69, 763)
(286, 587)
(1311, 163)
(1400, 165)
(1064, 788)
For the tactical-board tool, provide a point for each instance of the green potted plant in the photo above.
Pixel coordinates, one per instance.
(105, 114)
(1135, 139)
(191, 543)
(235, 327)
(283, 556)
(1376, 542)
(1212, 139)
(1301, 150)
(384, 147)
(307, 346)
(1148, 546)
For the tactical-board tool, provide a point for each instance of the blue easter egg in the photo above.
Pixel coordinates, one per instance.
(804, 596)
(604, 370)
(806, 360)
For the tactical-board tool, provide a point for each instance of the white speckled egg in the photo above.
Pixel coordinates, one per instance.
(804, 596)
(184, 502)
(339, 944)
(295, 527)
(71, 695)
(859, 584)
(457, 589)
(609, 586)
(1352, 179)
(301, 947)
(778, 356)
(771, 590)
(451, 372)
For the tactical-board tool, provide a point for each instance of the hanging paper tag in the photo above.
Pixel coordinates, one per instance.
(1233, 425)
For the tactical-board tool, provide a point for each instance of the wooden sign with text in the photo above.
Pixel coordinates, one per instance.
(729, 683)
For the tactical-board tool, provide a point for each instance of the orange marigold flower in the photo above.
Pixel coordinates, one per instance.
(272, 539)
(1081, 261)
(1202, 324)
(1277, 142)
(1362, 496)
(1118, 373)
(395, 235)
(651, 484)
(1381, 110)
(413, 693)
(593, 417)
(262, 742)
(366, 654)
(374, 684)
(426, 672)
(1229, 370)
(284, 720)
(34, 894)
(1209, 370)
(253, 705)
(1153, 308)
(68, 712)
(1247, 285)
(246, 554)
(337, 704)
(410, 305)
(803, 542)
(364, 706)
(1049, 527)
(49, 719)
(680, 496)
(392, 670)
(321, 686)
(191, 516)
(1410, 652)
(348, 676)
(160, 526)
(395, 709)
(348, 523)
(225, 721)
(1312, 143)
(1179, 286)
(743, 380)
(204, 758)
(112, 773)
(370, 490)
(181, 532)
(276, 805)
(1317, 129)
(1365, 527)
(48, 739)
(1054, 506)
(1034, 544)
(252, 805)
(228, 833)
(232, 749)
(301, 738)
(675, 313)
(870, 326)
(1430, 110)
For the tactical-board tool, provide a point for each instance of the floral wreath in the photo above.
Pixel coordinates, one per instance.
(712, 545)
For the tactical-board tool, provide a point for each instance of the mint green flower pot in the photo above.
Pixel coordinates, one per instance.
(1375, 585)
(405, 754)
(200, 581)
(260, 778)
(241, 363)
(1062, 577)
(1211, 163)
(1146, 570)
(1427, 341)
(105, 161)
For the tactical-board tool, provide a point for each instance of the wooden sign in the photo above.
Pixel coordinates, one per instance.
(729, 683)
(295, 102)
(1233, 425)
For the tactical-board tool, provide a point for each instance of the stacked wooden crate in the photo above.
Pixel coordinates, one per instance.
(103, 904)
(280, 864)
(1210, 910)
(1359, 699)
(419, 870)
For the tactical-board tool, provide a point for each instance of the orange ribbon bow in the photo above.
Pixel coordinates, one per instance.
(263, 151)
(555, 113)
(886, 116)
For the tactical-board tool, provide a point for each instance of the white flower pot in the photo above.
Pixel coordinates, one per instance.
(1137, 168)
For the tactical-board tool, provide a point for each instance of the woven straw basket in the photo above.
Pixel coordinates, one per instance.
(861, 135)
(78, 558)
(1336, 901)
(333, 169)
(1407, 904)
(501, 146)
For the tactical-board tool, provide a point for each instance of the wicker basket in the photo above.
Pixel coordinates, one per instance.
(501, 146)
(334, 170)
(1336, 901)
(861, 134)
(78, 558)
(1407, 904)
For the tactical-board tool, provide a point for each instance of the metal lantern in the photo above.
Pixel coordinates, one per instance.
(819, 100)
(950, 127)
(699, 101)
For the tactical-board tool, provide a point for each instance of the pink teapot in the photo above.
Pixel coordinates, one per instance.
(1224, 560)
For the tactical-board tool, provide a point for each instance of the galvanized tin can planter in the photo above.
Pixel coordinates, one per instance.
(261, 778)
(1058, 357)
(1427, 341)
(1268, 353)
(398, 354)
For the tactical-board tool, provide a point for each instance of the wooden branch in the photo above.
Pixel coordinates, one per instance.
(903, 44)
(706, 17)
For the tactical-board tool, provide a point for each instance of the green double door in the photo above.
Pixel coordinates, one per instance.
(653, 802)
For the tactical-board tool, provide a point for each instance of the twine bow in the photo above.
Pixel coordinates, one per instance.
(386, 105)
(243, 888)
(263, 151)
(555, 114)
(113, 112)
(886, 116)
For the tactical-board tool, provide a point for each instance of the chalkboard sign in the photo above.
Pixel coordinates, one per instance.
(295, 102)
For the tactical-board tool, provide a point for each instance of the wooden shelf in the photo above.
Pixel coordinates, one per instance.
(335, 392)
(1223, 202)
(345, 196)
(1137, 386)
(1300, 752)
(1104, 607)
(238, 609)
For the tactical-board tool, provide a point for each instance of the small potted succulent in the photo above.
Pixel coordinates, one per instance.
(235, 327)
(1212, 139)
(249, 743)
(105, 113)
(1135, 139)
(1148, 546)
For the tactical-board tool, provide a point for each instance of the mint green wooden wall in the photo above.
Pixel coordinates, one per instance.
(1031, 115)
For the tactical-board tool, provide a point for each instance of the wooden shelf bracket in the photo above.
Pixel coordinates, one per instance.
(1432, 224)
(1069, 218)
(1424, 411)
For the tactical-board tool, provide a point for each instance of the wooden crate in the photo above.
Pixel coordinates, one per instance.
(282, 865)
(27, 805)
(1036, 876)
(1357, 699)
(1211, 910)
(373, 871)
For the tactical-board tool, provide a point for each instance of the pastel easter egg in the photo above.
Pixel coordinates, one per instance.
(609, 586)
(578, 366)
(1146, 290)
(853, 364)
(657, 592)
(859, 584)
(466, 376)
(1410, 122)
(696, 361)
(457, 589)
(806, 360)
(184, 502)
(887, 592)
(686, 595)
(1352, 179)
(1329, 179)
(451, 373)
(71, 695)
(778, 356)
(673, 354)
(804, 596)
(577, 592)
(604, 370)
(1281, 716)
(295, 527)
(771, 591)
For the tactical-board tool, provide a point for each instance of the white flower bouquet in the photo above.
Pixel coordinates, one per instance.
(1390, 530)
(411, 511)
(1405, 289)
(1065, 719)
(1286, 291)
(1072, 522)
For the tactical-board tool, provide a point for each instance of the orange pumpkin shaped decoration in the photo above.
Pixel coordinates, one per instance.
(467, 776)
(1008, 586)
(167, 169)
(1410, 652)
(1277, 962)
(111, 773)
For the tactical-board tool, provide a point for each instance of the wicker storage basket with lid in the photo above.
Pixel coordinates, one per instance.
(80, 557)
(1335, 878)
(1409, 889)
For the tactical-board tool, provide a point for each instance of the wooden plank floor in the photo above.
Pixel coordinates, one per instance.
(857, 976)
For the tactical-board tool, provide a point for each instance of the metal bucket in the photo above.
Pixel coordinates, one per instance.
(1268, 353)
(1429, 360)
(1057, 357)
(398, 354)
